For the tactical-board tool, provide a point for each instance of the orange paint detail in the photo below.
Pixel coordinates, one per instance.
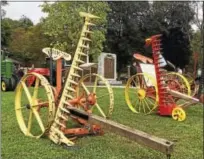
(142, 58)
(59, 75)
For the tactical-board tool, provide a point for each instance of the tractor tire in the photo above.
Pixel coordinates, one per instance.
(4, 85)
(14, 81)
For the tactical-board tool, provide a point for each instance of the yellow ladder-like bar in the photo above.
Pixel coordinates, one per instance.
(55, 134)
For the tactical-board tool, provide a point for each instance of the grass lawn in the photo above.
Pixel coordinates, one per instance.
(188, 136)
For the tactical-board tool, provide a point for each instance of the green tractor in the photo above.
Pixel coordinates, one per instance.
(9, 79)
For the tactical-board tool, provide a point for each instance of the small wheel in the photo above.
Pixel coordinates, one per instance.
(178, 82)
(33, 120)
(4, 85)
(141, 93)
(178, 114)
(102, 99)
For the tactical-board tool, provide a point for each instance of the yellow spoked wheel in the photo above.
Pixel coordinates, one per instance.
(3, 86)
(34, 105)
(178, 82)
(178, 114)
(193, 85)
(101, 97)
(141, 93)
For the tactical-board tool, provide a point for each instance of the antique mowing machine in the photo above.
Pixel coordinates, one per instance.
(74, 95)
(65, 113)
(158, 89)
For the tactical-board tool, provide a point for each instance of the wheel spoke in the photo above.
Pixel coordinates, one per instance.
(35, 93)
(19, 108)
(40, 104)
(147, 99)
(100, 110)
(29, 121)
(147, 104)
(27, 92)
(139, 106)
(143, 106)
(142, 82)
(136, 104)
(102, 96)
(95, 84)
(37, 116)
(150, 91)
(140, 103)
(133, 80)
(85, 88)
(134, 92)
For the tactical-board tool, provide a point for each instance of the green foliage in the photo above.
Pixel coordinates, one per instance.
(20, 43)
(176, 47)
(8, 26)
(12, 23)
(5, 33)
(125, 34)
(173, 14)
(5, 27)
(64, 24)
(196, 47)
(25, 22)
(27, 44)
(196, 42)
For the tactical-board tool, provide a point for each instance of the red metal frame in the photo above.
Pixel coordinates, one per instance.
(166, 101)
(42, 71)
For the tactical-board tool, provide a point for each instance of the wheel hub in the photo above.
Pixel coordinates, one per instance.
(178, 114)
(141, 93)
(91, 99)
(27, 106)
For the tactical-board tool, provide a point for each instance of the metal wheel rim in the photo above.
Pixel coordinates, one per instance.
(18, 108)
(109, 91)
(142, 104)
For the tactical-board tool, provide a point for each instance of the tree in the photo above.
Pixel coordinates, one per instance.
(25, 22)
(124, 33)
(5, 33)
(27, 44)
(63, 24)
(130, 23)
(176, 28)
(12, 23)
(9, 25)
(176, 47)
(5, 28)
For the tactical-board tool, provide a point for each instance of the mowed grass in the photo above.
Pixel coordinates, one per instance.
(188, 136)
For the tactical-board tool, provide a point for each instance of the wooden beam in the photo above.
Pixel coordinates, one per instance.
(182, 96)
(140, 137)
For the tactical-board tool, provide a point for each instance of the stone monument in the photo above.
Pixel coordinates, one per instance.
(107, 64)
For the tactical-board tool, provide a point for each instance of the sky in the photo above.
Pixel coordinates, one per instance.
(15, 10)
